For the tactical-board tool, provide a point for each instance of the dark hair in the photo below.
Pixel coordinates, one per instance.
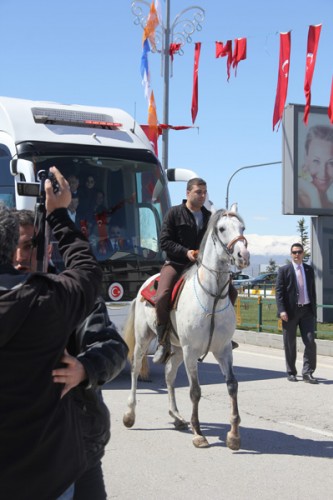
(196, 181)
(318, 132)
(9, 234)
(26, 217)
(298, 245)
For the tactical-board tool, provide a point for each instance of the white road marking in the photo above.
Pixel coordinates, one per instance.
(311, 429)
(275, 357)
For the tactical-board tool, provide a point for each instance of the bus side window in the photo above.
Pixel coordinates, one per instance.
(148, 229)
(7, 194)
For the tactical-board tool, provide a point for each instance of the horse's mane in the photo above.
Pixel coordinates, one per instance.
(214, 218)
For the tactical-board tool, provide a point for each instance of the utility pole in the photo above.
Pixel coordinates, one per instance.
(243, 168)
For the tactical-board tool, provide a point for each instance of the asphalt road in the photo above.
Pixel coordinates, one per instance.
(286, 433)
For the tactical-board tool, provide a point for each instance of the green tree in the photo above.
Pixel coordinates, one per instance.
(302, 229)
(272, 266)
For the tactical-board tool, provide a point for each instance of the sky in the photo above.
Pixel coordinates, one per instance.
(83, 52)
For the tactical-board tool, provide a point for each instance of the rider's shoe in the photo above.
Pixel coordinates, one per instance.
(234, 344)
(162, 354)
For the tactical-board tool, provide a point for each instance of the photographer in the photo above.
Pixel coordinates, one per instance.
(95, 355)
(41, 452)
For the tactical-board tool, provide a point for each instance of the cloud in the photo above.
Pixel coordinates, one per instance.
(270, 245)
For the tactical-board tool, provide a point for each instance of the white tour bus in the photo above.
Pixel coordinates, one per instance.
(122, 190)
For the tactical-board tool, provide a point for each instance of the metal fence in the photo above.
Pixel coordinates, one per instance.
(257, 311)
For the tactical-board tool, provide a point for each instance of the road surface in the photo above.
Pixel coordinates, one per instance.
(286, 433)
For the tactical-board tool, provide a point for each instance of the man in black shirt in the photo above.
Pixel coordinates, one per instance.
(182, 231)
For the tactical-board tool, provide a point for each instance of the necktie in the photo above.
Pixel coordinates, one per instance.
(300, 284)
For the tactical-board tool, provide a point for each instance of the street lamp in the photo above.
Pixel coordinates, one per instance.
(243, 168)
(180, 31)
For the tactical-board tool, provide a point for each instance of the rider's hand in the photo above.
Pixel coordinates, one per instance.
(57, 200)
(192, 255)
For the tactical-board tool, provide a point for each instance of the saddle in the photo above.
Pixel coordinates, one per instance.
(150, 291)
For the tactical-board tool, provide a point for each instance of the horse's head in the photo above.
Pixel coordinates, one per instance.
(226, 228)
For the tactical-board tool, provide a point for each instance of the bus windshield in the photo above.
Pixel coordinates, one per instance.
(119, 205)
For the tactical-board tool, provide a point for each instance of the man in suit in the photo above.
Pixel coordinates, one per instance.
(296, 304)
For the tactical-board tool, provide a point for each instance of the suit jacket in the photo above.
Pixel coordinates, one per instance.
(286, 292)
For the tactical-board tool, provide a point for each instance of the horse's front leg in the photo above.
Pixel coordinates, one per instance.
(233, 436)
(225, 361)
(171, 369)
(190, 360)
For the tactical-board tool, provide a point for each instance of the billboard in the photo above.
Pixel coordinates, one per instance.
(307, 162)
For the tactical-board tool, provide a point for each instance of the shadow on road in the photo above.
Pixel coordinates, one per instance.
(209, 373)
(257, 441)
(270, 442)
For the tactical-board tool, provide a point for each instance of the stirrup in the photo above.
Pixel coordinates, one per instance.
(234, 344)
(162, 354)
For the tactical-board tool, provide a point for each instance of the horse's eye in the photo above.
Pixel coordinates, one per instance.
(221, 229)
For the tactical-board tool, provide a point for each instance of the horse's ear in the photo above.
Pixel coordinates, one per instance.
(234, 208)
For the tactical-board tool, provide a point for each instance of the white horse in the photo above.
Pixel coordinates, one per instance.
(204, 321)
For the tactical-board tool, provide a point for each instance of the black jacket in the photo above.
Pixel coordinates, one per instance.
(103, 353)
(286, 291)
(41, 448)
(179, 233)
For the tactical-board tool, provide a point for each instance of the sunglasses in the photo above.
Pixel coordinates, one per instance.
(297, 252)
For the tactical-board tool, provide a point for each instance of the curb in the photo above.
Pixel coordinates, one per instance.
(274, 340)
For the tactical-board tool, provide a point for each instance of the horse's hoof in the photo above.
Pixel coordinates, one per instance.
(233, 442)
(200, 442)
(180, 425)
(128, 420)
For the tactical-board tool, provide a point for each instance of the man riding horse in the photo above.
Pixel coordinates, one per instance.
(182, 231)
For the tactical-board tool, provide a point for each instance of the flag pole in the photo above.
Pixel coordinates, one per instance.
(179, 31)
(166, 86)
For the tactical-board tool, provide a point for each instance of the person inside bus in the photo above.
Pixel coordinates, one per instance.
(88, 195)
(116, 241)
(182, 231)
(73, 209)
(74, 184)
(95, 355)
(99, 205)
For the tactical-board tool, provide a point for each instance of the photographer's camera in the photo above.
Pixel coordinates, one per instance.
(37, 188)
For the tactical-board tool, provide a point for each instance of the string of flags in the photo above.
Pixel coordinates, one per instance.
(235, 51)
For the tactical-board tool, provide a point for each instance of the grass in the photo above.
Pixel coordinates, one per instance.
(250, 317)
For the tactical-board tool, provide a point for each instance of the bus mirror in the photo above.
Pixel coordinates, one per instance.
(13, 166)
(24, 167)
(180, 174)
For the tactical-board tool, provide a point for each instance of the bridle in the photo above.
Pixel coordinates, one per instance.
(223, 292)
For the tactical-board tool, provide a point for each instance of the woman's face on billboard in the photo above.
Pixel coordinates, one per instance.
(319, 163)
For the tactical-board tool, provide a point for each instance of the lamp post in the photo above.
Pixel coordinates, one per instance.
(180, 31)
(243, 168)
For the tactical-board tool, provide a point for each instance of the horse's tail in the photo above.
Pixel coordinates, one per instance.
(129, 337)
(129, 334)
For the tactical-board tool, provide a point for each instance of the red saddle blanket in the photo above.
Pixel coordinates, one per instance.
(149, 292)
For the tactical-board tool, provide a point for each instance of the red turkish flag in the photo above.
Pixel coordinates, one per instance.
(239, 52)
(311, 55)
(194, 108)
(173, 49)
(222, 50)
(283, 78)
(330, 107)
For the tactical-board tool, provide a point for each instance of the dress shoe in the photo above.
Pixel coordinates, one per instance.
(292, 378)
(307, 377)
